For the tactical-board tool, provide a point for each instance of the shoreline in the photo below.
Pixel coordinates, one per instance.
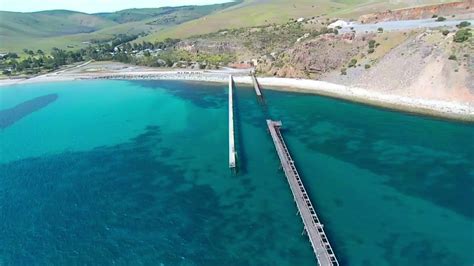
(434, 108)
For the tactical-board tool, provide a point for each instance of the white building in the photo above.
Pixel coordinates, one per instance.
(339, 23)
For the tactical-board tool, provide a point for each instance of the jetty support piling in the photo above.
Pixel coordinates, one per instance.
(232, 152)
(312, 225)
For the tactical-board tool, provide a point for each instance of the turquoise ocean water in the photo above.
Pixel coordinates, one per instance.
(136, 173)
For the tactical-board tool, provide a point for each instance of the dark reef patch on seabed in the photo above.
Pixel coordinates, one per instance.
(387, 152)
(11, 115)
(204, 96)
(102, 204)
(415, 179)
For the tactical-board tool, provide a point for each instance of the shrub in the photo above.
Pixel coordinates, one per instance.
(452, 57)
(462, 35)
(380, 30)
(441, 19)
(371, 50)
(434, 16)
(343, 71)
(367, 66)
(352, 63)
(463, 24)
(371, 43)
(445, 32)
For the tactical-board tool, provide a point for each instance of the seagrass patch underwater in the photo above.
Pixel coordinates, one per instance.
(136, 172)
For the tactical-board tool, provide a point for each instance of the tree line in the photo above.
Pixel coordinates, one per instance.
(119, 49)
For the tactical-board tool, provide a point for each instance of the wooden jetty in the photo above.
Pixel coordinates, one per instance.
(232, 152)
(313, 226)
(256, 85)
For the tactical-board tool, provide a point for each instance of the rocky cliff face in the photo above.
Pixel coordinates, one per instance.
(421, 12)
(314, 57)
(427, 65)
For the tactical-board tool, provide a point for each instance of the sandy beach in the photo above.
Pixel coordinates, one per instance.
(445, 109)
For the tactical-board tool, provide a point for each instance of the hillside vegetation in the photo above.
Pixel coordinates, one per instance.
(74, 30)
(429, 63)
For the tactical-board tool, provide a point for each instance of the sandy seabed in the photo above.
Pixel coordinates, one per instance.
(437, 108)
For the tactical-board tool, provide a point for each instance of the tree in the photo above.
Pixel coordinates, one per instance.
(440, 19)
(59, 56)
(28, 52)
(371, 43)
(49, 63)
(352, 63)
(462, 35)
(463, 24)
(12, 56)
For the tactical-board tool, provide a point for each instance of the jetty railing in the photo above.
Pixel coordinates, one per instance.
(232, 152)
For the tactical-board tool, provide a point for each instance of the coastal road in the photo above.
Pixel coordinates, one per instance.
(401, 25)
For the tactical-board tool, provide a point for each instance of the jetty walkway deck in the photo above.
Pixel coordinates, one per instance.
(232, 152)
(313, 226)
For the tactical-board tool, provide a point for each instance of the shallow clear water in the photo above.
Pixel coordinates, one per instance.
(136, 172)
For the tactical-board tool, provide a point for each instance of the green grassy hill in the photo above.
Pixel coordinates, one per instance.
(71, 30)
(259, 12)
(164, 15)
(49, 23)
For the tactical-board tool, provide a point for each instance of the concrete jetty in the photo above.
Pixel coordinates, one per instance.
(256, 86)
(232, 152)
(312, 225)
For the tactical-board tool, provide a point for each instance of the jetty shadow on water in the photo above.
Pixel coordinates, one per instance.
(11, 115)
(239, 146)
